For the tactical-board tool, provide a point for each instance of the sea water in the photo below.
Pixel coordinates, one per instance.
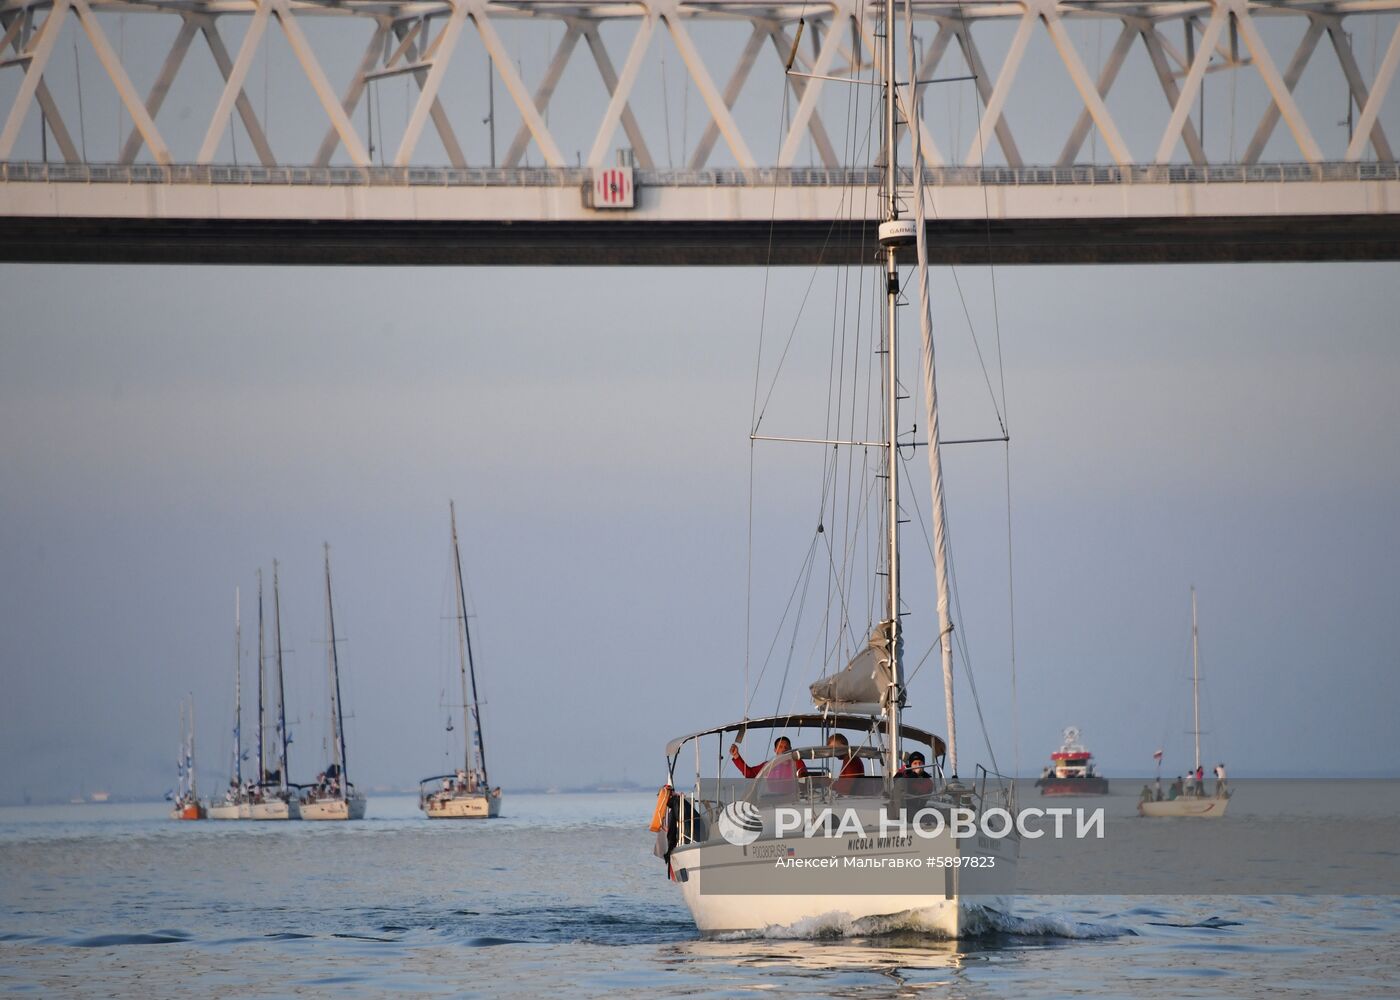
(562, 895)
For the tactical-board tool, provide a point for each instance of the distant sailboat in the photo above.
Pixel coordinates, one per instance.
(467, 793)
(333, 796)
(187, 804)
(1196, 804)
(235, 799)
(272, 798)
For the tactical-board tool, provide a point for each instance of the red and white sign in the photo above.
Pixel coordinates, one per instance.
(612, 188)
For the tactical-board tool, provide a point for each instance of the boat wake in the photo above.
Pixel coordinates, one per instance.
(979, 922)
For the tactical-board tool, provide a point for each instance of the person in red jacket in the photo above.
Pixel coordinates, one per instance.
(852, 768)
(780, 780)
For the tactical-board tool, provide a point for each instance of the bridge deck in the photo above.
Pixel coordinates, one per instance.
(348, 215)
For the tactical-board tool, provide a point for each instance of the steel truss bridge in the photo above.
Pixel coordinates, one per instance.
(1105, 174)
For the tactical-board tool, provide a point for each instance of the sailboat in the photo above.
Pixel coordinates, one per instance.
(271, 796)
(1197, 803)
(467, 792)
(234, 801)
(731, 847)
(333, 796)
(187, 804)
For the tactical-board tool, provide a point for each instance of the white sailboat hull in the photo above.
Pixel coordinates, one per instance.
(276, 809)
(225, 810)
(1207, 808)
(334, 809)
(801, 915)
(462, 806)
(731, 889)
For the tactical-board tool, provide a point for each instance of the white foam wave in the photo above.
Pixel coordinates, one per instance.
(978, 921)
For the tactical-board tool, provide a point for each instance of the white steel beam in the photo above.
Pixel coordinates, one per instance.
(1358, 88)
(1282, 94)
(1107, 76)
(48, 107)
(597, 156)
(210, 29)
(1379, 88)
(442, 47)
(1291, 76)
(1182, 110)
(983, 82)
(545, 91)
(1156, 52)
(505, 68)
(374, 51)
(1002, 90)
(233, 81)
(629, 121)
(831, 47)
(189, 27)
(700, 76)
(1088, 90)
(322, 86)
(732, 89)
(117, 74)
(782, 46)
(42, 47)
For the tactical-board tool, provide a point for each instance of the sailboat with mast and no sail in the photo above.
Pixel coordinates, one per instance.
(272, 797)
(333, 796)
(1197, 804)
(467, 792)
(729, 845)
(235, 799)
(187, 804)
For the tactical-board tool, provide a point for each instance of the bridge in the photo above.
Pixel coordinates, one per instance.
(1066, 130)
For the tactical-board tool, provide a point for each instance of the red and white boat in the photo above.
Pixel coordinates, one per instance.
(1071, 770)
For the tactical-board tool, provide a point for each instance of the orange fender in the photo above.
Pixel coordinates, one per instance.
(663, 799)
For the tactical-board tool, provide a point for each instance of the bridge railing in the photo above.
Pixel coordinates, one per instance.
(567, 177)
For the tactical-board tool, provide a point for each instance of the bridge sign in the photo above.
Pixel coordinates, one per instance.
(613, 188)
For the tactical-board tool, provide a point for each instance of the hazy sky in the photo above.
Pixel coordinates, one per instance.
(1231, 427)
(167, 431)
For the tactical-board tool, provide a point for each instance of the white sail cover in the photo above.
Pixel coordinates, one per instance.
(864, 682)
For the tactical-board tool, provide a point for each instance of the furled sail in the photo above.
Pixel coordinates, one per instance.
(864, 685)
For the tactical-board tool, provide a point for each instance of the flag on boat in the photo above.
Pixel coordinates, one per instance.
(1157, 755)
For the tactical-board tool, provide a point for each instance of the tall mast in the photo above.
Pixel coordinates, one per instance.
(180, 757)
(281, 689)
(189, 757)
(1195, 683)
(464, 648)
(262, 685)
(337, 719)
(935, 454)
(237, 690)
(894, 633)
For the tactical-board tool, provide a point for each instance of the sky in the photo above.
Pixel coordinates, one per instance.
(168, 431)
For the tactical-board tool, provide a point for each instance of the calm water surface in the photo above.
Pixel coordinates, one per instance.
(562, 895)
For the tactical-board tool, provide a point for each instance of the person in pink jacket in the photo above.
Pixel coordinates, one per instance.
(781, 780)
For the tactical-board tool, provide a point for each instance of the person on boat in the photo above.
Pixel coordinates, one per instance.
(852, 768)
(1189, 789)
(1220, 781)
(782, 779)
(916, 781)
(1174, 792)
(1158, 789)
(1146, 795)
(1200, 781)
